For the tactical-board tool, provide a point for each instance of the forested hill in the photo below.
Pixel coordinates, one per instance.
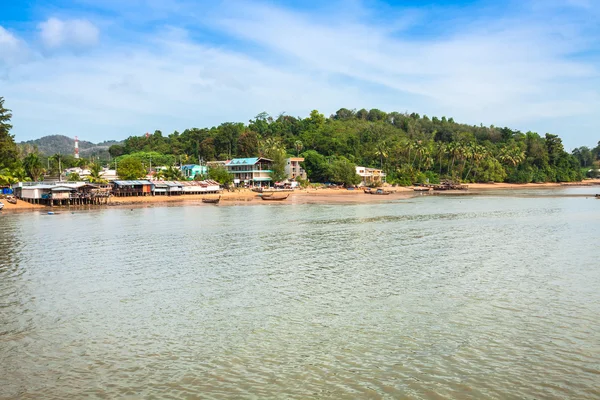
(409, 147)
(60, 144)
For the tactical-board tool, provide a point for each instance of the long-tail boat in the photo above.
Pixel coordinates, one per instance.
(212, 201)
(272, 198)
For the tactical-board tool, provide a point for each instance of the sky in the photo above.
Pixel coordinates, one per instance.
(108, 69)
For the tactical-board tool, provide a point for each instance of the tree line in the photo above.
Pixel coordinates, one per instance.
(410, 148)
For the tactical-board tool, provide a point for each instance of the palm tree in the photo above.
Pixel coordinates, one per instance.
(466, 152)
(299, 146)
(173, 174)
(33, 166)
(381, 150)
(270, 146)
(58, 158)
(408, 145)
(421, 149)
(512, 155)
(478, 154)
(454, 150)
(441, 149)
(6, 177)
(96, 174)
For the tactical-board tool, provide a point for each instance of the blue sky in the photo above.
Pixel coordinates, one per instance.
(107, 69)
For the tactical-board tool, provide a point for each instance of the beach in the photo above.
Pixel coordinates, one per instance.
(301, 196)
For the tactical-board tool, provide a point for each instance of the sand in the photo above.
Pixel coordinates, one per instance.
(303, 196)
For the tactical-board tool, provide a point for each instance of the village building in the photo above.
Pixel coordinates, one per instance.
(62, 193)
(251, 172)
(109, 174)
(131, 188)
(370, 176)
(293, 169)
(201, 187)
(166, 188)
(190, 171)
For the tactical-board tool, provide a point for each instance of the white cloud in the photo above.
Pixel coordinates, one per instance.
(515, 71)
(76, 33)
(12, 49)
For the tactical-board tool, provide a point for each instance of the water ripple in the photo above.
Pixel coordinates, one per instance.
(442, 297)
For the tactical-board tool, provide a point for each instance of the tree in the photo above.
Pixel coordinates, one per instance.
(220, 174)
(381, 151)
(298, 146)
(173, 174)
(6, 177)
(272, 148)
(96, 174)
(74, 177)
(33, 166)
(343, 114)
(278, 157)
(9, 152)
(116, 150)
(57, 158)
(316, 166)
(248, 144)
(343, 171)
(130, 168)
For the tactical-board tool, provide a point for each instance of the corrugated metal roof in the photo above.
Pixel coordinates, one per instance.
(140, 182)
(243, 161)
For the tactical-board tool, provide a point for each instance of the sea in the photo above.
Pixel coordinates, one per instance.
(479, 296)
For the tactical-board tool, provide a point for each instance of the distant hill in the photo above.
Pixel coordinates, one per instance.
(61, 144)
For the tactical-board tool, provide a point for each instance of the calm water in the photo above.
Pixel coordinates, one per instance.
(464, 297)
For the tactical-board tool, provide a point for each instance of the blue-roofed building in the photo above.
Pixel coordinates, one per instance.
(252, 172)
(191, 170)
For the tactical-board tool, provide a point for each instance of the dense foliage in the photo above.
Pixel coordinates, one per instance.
(408, 147)
(130, 168)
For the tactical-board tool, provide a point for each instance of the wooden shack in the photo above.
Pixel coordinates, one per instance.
(131, 188)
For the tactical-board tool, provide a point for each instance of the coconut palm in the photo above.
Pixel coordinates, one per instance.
(440, 150)
(478, 154)
(6, 178)
(298, 146)
(381, 150)
(511, 155)
(421, 149)
(454, 151)
(173, 174)
(96, 174)
(33, 166)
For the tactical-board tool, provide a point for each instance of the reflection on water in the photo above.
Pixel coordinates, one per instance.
(436, 297)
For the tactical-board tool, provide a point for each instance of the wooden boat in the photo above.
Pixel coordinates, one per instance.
(598, 196)
(422, 189)
(212, 201)
(271, 198)
(11, 199)
(266, 194)
(1, 205)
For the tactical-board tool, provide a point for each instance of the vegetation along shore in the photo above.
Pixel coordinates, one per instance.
(348, 149)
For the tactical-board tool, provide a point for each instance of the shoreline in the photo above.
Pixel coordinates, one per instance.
(301, 196)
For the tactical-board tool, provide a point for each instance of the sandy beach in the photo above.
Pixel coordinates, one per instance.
(303, 196)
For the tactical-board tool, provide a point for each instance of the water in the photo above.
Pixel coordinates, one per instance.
(435, 297)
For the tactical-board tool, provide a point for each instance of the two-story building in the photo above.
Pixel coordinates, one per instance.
(293, 169)
(254, 171)
(370, 175)
(191, 170)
